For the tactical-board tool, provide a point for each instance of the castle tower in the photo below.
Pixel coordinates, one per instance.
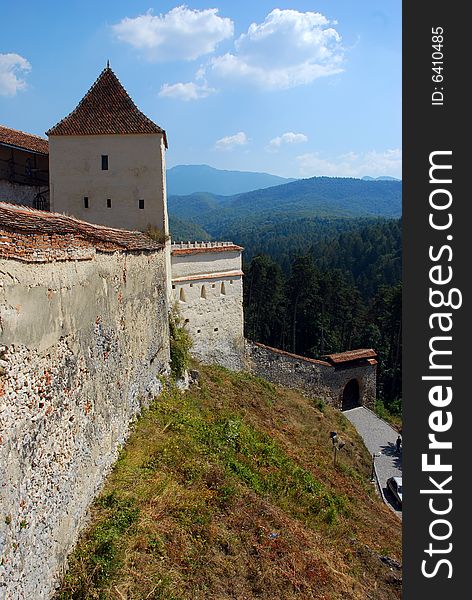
(107, 161)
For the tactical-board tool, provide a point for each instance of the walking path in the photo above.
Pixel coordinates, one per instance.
(379, 438)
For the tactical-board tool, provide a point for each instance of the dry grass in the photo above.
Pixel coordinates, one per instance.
(229, 491)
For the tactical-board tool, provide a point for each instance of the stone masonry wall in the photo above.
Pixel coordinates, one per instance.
(83, 345)
(18, 193)
(318, 378)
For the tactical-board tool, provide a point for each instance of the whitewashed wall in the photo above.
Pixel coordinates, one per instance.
(82, 347)
(136, 170)
(207, 288)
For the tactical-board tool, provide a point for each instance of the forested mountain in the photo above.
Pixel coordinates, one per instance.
(186, 231)
(196, 207)
(187, 179)
(368, 249)
(306, 198)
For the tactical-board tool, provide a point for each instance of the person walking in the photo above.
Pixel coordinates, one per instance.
(399, 444)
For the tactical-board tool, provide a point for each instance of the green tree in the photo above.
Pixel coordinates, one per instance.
(303, 304)
(386, 321)
(264, 301)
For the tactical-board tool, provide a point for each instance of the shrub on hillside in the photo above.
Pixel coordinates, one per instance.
(180, 345)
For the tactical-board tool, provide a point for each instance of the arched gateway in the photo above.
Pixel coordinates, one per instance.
(351, 396)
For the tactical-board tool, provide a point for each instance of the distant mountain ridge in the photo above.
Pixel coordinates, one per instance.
(183, 180)
(381, 178)
(305, 198)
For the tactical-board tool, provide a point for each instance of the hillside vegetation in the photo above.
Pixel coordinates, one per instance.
(229, 491)
(183, 231)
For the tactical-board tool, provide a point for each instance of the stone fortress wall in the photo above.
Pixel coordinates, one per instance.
(207, 290)
(27, 195)
(343, 380)
(84, 344)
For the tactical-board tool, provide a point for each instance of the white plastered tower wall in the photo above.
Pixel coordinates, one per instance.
(207, 290)
(136, 172)
(166, 228)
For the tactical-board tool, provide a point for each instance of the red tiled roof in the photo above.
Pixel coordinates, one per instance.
(106, 109)
(26, 141)
(351, 355)
(37, 235)
(184, 251)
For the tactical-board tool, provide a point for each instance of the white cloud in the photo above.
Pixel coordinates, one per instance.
(12, 69)
(186, 91)
(288, 49)
(231, 141)
(180, 34)
(371, 163)
(286, 138)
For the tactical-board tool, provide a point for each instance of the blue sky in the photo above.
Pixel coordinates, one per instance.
(295, 88)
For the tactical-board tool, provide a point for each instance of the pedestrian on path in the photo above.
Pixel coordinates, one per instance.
(399, 444)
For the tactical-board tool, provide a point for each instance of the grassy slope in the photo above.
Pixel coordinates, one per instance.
(229, 491)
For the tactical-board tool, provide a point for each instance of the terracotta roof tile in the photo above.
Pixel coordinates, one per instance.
(26, 141)
(351, 355)
(106, 109)
(37, 235)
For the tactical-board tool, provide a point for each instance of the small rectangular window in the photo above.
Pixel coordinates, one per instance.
(86, 202)
(141, 203)
(108, 202)
(104, 162)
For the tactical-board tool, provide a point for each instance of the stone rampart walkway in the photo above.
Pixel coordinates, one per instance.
(379, 438)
